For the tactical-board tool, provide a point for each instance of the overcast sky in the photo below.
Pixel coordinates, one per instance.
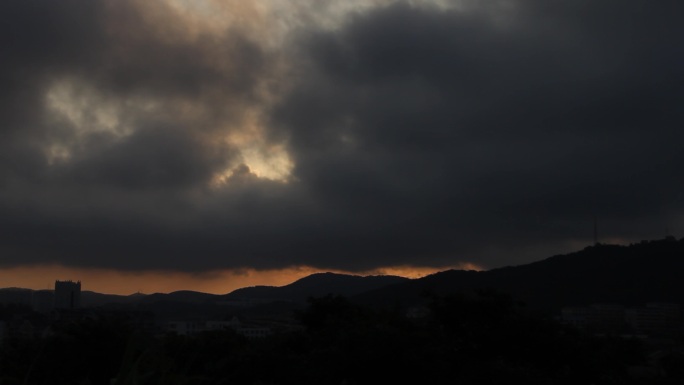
(229, 135)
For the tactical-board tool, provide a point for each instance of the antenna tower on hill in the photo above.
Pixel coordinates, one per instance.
(595, 231)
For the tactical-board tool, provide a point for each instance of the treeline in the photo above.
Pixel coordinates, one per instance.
(487, 339)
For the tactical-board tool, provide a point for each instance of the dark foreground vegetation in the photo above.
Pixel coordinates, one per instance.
(486, 339)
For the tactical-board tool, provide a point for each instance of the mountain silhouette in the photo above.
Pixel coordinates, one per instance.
(635, 274)
(182, 296)
(649, 271)
(316, 285)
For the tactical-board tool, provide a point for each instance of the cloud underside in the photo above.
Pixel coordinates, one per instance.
(214, 135)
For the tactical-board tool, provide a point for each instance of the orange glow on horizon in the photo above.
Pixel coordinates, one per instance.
(110, 281)
(419, 272)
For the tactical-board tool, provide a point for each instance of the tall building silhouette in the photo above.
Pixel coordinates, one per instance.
(67, 295)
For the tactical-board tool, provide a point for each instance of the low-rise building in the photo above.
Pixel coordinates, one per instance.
(191, 327)
(654, 319)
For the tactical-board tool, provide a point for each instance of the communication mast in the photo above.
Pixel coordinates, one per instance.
(595, 231)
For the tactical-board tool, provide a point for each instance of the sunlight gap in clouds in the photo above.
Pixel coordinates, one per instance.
(264, 159)
(79, 111)
(257, 20)
(85, 112)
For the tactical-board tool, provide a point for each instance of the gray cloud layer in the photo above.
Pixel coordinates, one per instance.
(418, 135)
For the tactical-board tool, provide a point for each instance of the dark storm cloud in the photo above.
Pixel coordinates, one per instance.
(114, 48)
(35, 38)
(419, 135)
(494, 131)
(129, 178)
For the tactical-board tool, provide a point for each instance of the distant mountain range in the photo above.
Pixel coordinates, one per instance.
(314, 285)
(649, 271)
